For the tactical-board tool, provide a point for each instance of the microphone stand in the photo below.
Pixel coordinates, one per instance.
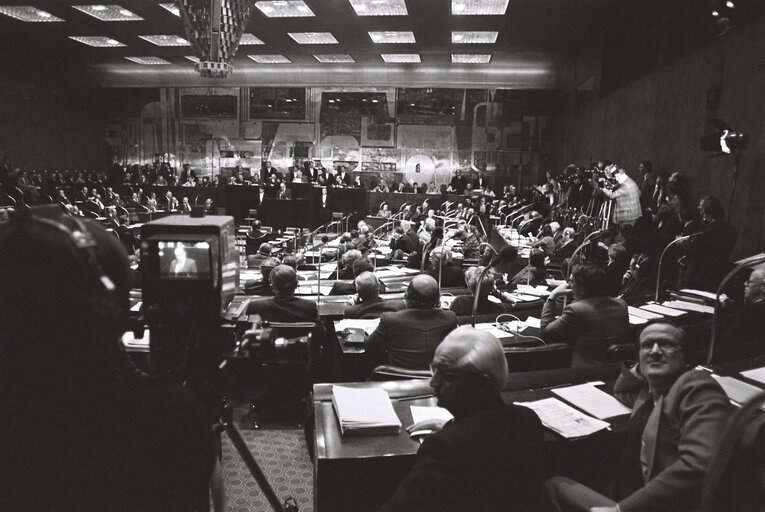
(713, 337)
(661, 260)
(478, 292)
(578, 249)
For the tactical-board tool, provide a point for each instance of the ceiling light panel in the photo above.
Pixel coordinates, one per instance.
(313, 37)
(471, 58)
(392, 37)
(110, 12)
(98, 41)
(400, 57)
(334, 58)
(479, 7)
(172, 8)
(28, 13)
(379, 7)
(166, 40)
(474, 37)
(270, 59)
(148, 61)
(249, 39)
(285, 9)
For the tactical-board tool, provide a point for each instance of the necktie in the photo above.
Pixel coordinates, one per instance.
(630, 475)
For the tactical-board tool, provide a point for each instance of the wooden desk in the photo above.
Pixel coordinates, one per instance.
(361, 473)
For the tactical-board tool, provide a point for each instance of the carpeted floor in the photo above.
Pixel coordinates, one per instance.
(283, 457)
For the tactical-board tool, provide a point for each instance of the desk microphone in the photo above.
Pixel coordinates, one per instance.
(508, 254)
(661, 260)
(586, 241)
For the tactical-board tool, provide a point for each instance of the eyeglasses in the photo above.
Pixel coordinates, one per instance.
(665, 346)
(443, 371)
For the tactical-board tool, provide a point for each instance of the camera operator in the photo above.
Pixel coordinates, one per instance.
(77, 434)
(626, 195)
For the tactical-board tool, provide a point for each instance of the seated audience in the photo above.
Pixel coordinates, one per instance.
(369, 303)
(347, 259)
(592, 322)
(262, 286)
(358, 267)
(264, 252)
(463, 304)
(284, 307)
(618, 264)
(404, 241)
(452, 276)
(534, 273)
(409, 338)
(546, 243)
(485, 458)
(82, 429)
(678, 415)
(567, 244)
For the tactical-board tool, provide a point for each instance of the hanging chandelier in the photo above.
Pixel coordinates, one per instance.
(214, 29)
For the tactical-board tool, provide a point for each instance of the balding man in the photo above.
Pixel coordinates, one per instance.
(284, 307)
(410, 337)
(483, 459)
(369, 304)
(452, 276)
(747, 325)
(262, 286)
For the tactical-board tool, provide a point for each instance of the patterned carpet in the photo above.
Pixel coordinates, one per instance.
(283, 457)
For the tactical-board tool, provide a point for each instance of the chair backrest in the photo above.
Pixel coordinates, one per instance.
(389, 372)
(735, 479)
(539, 357)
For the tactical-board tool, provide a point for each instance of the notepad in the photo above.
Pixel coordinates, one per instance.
(564, 419)
(364, 411)
(592, 400)
(658, 308)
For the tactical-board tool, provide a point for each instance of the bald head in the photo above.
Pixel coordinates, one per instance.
(283, 280)
(754, 289)
(469, 351)
(422, 293)
(367, 286)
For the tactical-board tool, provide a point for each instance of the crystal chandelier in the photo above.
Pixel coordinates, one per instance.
(214, 28)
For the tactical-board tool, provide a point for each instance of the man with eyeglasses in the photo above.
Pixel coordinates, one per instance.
(485, 458)
(677, 415)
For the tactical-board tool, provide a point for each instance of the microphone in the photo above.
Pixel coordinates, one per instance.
(585, 242)
(661, 260)
(506, 255)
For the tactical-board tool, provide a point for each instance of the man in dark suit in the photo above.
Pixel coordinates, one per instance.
(747, 324)
(481, 182)
(264, 252)
(284, 307)
(410, 337)
(358, 266)
(284, 192)
(458, 183)
(452, 276)
(485, 458)
(370, 305)
(592, 322)
(567, 244)
(678, 414)
(344, 176)
(182, 264)
(401, 243)
(263, 285)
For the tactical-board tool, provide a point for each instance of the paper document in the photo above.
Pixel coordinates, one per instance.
(555, 282)
(700, 293)
(422, 413)
(137, 307)
(564, 419)
(129, 340)
(521, 297)
(493, 330)
(689, 306)
(738, 391)
(757, 374)
(592, 400)
(535, 322)
(658, 308)
(364, 409)
(648, 315)
(636, 320)
(369, 325)
(539, 291)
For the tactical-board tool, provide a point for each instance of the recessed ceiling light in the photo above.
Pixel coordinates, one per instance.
(392, 37)
(172, 8)
(108, 12)
(148, 61)
(334, 58)
(479, 7)
(471, 58)
(270, 59)
(28, 14)
(400, 57)
(166, 40)
(284, 8)
(313, 37)
(474, 37)
(98, 41)
(379, 7)
(249, 39)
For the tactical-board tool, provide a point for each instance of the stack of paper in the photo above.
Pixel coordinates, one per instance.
(368, 325)
(592, 400)
(564, 419)
(364, 411)
(662, 310)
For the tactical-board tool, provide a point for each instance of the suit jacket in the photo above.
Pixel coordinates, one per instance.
(254, 287)
(485, 460)
(341, 288)
(410, 337)
(452, 276)
(463, 306)
(281, 309)
(287, 194)
(188, 267)
(404, 243)
(346, 178)
(589, 325)
(678, 440)
(373, 308)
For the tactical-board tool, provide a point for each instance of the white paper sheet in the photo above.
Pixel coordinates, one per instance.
(592, 400)
(636, 320)
(564, 419)
(739, 392)
(369, 325)
(422, 413)
(689, 306)
(662, 310)
(700, 293)
(756, 374)
(648, 315)
(535, 322)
